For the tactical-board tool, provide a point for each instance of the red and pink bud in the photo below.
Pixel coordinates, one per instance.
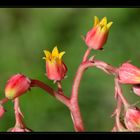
(16, 86)
(132, 119)
(129, 74)
(98, 35)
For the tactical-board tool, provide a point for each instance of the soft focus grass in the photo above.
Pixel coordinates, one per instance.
(25, 33)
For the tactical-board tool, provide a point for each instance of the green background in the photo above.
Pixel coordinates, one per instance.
(25, 33)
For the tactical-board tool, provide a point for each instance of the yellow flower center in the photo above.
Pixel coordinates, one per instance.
(55, 56)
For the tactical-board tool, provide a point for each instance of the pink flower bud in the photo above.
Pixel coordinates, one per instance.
(97, 36)
(136, 89)
(2, 111)
(132, 119)
(16, 86)
(55, 67)
(129, 74)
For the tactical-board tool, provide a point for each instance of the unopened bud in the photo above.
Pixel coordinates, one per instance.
(129, 74)
(97, 36)
(132, 119)
(16, 86)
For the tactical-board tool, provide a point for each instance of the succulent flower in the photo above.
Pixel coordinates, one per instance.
(55, 67)
(97, 36)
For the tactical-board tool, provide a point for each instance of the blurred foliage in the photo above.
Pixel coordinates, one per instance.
(25, 33)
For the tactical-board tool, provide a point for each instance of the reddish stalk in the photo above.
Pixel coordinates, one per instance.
(18, 114)
(75, 110)
(119, 93)
(86, 54)
(61, 97)
(104, 66)
(120, 99)
(60, 91)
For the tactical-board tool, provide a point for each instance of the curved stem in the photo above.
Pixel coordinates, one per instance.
(75, 110)
(104, 66)
(86, 54)
(60, 97)
(99, 64)
(78, 77)
(117, 117)
(120, 99)
(119, 93)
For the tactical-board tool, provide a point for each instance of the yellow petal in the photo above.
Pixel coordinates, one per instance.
(47, 53)
(103, 21)
(96, 21)
(109, 25)
(104, 29)
(61, 54)
(55, 52)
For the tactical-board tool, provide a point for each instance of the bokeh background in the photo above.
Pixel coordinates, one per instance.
(25, 33)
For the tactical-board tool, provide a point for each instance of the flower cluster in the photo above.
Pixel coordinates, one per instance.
(127, 116)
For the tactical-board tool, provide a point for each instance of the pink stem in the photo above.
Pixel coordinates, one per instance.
(117, 85)
(118, 123)
(105, 67)
(99, 64)
(86, 54)
(18, 115)
(59, 87)
(75, 110)
(79, 74)
(118, 91)
(60, 97)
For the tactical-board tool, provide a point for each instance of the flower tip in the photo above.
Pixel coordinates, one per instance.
(103, 21)
(61, 54)
(56, 47)
(55, 51)
(96, 20)
(109, 25)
